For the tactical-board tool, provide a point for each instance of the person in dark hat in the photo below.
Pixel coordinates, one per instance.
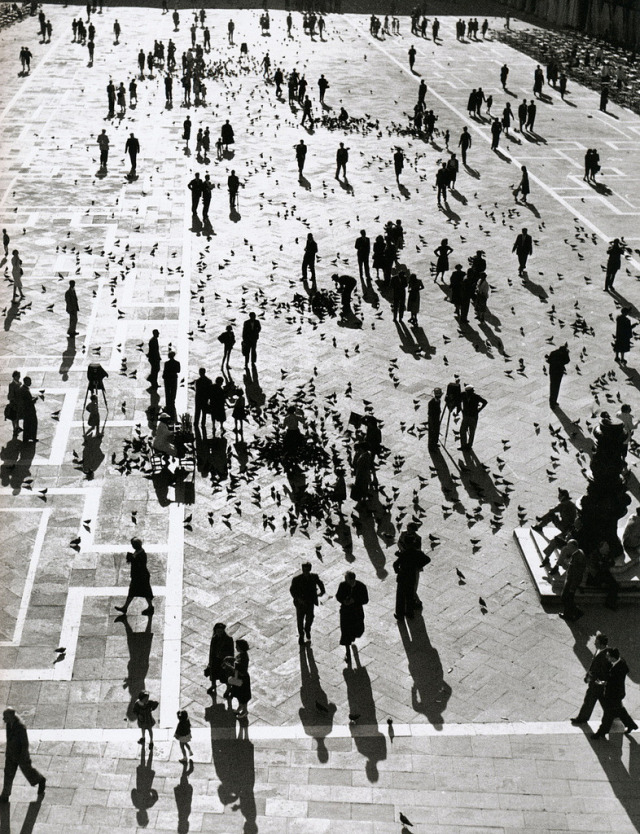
(472, 405)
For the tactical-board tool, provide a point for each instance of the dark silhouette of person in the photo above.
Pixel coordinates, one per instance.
(361, 704)
(170, 374)
(111, 97)
(434, 418)
(345, 284)
(183, 793)
(614, 693)
(531, 115)
(226, 134)
(523, 247)
(407, 566)
(342, 157)
(398, 163)
(464, 143)
(27, 412)
(442, 182)
(103, 144)
(323, 86)
(422, 92)
(301, 155)
(186, 130)
(207, 187)
(305, 589)
(399, 292)
(17, 756)
(363, 247)
(504, 74)
(196, 188)
(522, 114)
(496, 130)
(202, 389)
(412, 57)
(132, 147)
(557, 361)
(614, 261)
(139, 645)
(233, 184)
(316, 713)
(623, 335)
(71, 302)
(456, 280)
(309, 258)
(472, 404)
(250, 335)
(306, 111)
(153, 355)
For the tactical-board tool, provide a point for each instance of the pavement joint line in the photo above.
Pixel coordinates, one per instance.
(263, 732)
(69, 632)
(486, 136)
(31, 575)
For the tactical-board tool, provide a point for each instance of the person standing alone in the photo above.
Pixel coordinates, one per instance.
(71, 301)
(305, 589)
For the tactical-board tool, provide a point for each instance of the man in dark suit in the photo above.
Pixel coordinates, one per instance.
(434, 417)
(614, 692)
(557, 360)
(523, 247)
(17, 756)
(71, 301)
(153, 355)
(170, 376)
(363, 247)
(202, 389)
(305, 589)
(597, 673)
(472, 404)
(250, 335)
(132, 147)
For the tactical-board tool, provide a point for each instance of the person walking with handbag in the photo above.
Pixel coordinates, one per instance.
(142, 709)
(239, 680)
(17, 756)
(352, 596)
(220, 648)
(305, 589)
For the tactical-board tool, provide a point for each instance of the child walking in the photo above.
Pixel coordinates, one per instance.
(142, 709)
(183, 734)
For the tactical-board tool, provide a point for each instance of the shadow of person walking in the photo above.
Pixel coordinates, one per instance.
(316, 713)
(429, 692)
(368, 740)
(139, 646)
(183, 793)
(144, 795)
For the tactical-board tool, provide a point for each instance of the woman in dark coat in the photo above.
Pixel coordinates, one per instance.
(27, 412)
(140, 584)
(12, 408)
(238, 670)
(624, 332)
(523, 188)
(221, 647)
(413, 298)
(442, 252)
(378, 254)
(352, 596)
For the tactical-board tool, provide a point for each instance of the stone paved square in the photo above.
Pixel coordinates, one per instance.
(463, 712)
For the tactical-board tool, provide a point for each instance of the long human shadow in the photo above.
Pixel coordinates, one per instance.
(451, 215)
(255, 395)
(407, 344)
(234, 760)
(625, 783)
(574, 433)
(472, 335)
(365, 527)
(183, 793)
(422, 341)
(404, 191)
(16, 459)
(139, 647)
(535, 289)
(430, 693)
(30, 819)
(13, 312)
(477, 481)
(458, 196)
(532, 208)
(622, 301)
(369, 295)
(447, 484)
(304, 182)
(316, 713)
(68, 358)
(372, 745)
(144, 795)
(492, 337)
(471, 171)
(92, 454)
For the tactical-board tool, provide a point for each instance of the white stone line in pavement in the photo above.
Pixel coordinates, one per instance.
(486, 137)
(102, 281)
(61, 436)
(203, 735)
(172, 637)
(69, 632)
(31, 572)
(36, 72)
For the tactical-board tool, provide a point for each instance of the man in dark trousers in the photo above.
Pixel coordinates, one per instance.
(220, 647)
(17, 756)
(407, 566)
(595, 677)
(170, 377)
(345, 284)
(573, 577)
(71, 301)
(557, 360)
(202, 389)
(442, 181)
(614, 692)
(233, 183)
(153, 355)
(323, 86)
(398, 163)
(301, 155)
(342, 157)
(140, 582)
(196, 189)
(531, 115)
(132, 147)
(309, 258)
(472, 404)
(434, 416)
(412, 57)
(464, 143)
(207, 187)
(103, 144)
(305, 589)
(363, 247)
(186, 130)
(614, 261)
(504, 74)
(522, 114)
(250, 335)
(523, 247)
